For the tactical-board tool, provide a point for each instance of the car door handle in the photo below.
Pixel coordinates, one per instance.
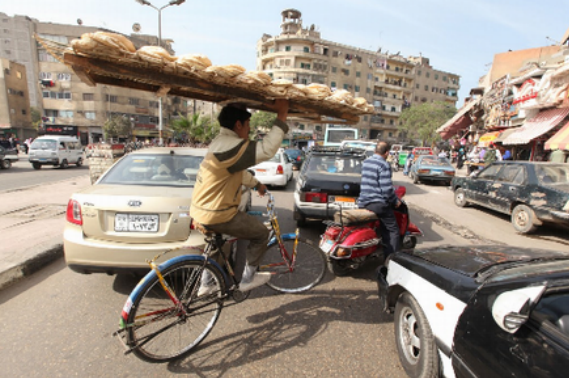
(512, 189)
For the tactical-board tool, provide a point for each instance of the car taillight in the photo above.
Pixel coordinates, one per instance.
(298, 158)
(449, 173)
(73, 214)
(314, 197)
(280, 170)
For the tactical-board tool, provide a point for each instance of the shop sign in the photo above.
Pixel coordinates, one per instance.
(61, 130)
(528, 91)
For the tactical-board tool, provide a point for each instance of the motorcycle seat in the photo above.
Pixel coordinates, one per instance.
(355, 216)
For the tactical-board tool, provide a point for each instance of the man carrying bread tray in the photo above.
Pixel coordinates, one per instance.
(217, 192)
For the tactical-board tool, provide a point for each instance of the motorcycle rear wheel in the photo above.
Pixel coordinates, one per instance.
(338, 267)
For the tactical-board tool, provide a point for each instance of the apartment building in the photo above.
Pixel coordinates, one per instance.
(70, 106)
(15, 114)
(388, 81)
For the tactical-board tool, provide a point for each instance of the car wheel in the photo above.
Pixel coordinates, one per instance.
(36, 165)
(6, 164)
(414, 338)
(523, 219)
(63, 164)
(338, 267)
(79, 162)
(414, 178)
(460, 198)
(408, 241)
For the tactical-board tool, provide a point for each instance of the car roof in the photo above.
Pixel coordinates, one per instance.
(189, 151)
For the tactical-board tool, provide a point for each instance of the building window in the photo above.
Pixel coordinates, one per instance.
(346, 71)
(357, 88)
(63, 95)
(346, 86)
(305, 66)
(66, 114)
(334, 69)
(111, 98)
(436, 76)
(445, 79)
(287, 48)
(63, 76)
(45, 75)
(44, 56)
(368, 90)
(133, 101)
(369, 76)
(90, 115)
(426, 87)
(45, 94)
(88, 97)
(417, 86)
(154, 104)
(419, 73)
(24, 112)
(391, 123)
(333, 84)
(428, 74)
(358, 74)
(18, 74)
(306, 49)
(416, 98)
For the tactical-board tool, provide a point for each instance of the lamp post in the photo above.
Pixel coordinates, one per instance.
(172, 2)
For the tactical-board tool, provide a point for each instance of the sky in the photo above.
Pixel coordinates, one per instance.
(458, 36)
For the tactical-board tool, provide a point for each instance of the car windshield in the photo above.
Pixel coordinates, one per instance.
(422, 151)
(293, 153)
(552, 174)
(434, 160)
(335, 164)
(357, 145)
(275, 159)
(154, 170)
(44, 144)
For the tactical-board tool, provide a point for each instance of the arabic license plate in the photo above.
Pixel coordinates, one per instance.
(136, 222)
(261, 171)
(326, 245)
(437, 173)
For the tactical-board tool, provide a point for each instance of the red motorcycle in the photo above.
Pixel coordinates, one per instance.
(352, 237)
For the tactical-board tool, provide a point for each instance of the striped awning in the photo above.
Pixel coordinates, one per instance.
(560, 141)
(537, 126)
(484, 140)
(460, 121)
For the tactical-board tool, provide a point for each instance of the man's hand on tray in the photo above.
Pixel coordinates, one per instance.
(281, 108)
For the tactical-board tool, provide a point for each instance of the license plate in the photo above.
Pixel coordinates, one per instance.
(345, 199)
(136, 222)
(326, 245)
(437, 173)
(262, 172)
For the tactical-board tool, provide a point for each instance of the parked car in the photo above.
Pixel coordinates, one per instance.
(134, 211)
(432, 168)
(296, 157)
(532, 193)
(7, 157)
(276, 171)
(55, 150)
(479, 311)
(330, 177)
(358, 143)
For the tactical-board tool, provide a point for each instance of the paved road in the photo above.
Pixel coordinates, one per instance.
(22, 174)
(58, 323)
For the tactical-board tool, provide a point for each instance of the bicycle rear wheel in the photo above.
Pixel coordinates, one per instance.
(309, 267)
(160, 331)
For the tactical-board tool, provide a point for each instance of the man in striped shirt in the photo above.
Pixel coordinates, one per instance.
(378, 195)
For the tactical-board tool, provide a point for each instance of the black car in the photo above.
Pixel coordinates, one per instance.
(7, 157)
(330, 177)
(296, 157)
(479, 311)
(533, 193)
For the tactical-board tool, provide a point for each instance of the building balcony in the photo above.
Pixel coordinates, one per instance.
(292, 53)
(392, 85)
(294, 70)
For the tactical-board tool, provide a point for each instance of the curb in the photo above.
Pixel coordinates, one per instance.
(31, 265)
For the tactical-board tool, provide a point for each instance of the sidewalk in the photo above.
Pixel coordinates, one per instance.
(33, 219)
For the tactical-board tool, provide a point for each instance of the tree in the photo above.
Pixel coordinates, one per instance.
(118, 126)
(36, 117)
(422, 121)
(196, 127)
(261, 122)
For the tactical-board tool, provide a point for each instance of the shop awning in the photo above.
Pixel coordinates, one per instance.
(460, 121)
(537, 126)
(559, 141)
(505, 134)
(485, 139)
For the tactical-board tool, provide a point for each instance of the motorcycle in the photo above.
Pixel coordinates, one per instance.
(351, 239)
(393, 160)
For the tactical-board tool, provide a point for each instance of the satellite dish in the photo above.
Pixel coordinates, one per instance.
(79, 21)
(136, 27)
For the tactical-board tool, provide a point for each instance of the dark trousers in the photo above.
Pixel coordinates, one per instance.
(388, 228)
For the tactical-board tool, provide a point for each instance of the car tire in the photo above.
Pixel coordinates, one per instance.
(524, 219)
(414, 178)
(79, 162)
(460, 198)
(338, 267)
(64, 164)
(36, 165)
(6, 164)
(414, 339)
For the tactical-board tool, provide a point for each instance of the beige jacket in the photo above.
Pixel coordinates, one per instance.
(217, 192)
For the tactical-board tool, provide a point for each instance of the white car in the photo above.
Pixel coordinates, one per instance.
(137, 209)
(275, 172)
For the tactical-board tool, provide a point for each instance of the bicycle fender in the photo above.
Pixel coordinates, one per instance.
(289, 236)
(152, 275)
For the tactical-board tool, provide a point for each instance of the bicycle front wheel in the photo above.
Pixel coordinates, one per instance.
(308, 267)
(158, 329)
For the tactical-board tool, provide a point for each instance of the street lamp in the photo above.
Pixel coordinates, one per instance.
(172, 2)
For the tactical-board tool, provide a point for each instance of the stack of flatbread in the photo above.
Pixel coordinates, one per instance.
(296, 91)
(226, 72)
(318, 91)
(111, 42)
(193, 62)
(279, 87)
(255, 79)
(361, 103)
(341, 96)
(155, 54)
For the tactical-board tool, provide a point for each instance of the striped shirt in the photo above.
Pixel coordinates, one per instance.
(376, 183)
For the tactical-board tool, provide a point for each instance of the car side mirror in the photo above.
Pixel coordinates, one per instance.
(511, 309)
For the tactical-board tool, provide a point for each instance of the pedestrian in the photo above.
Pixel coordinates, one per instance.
(378, 195)
(490, 156)
(461, 154)
(507, 155)
(408, 162)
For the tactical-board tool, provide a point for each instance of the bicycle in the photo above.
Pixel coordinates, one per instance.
(163, 318)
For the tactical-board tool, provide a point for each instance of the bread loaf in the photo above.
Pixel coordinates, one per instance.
(113, 40)
(194, 61)
(227, 72)
(154, 53)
